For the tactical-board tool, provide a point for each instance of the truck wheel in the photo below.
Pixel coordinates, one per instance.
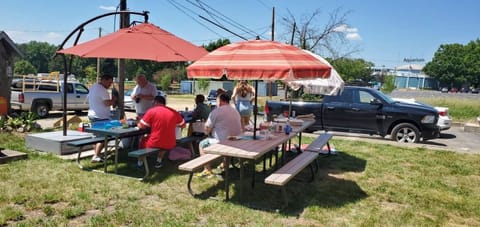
(405, 133)
(41, 109)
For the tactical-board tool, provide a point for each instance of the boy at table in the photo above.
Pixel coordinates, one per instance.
(223, 121)
(162, 121)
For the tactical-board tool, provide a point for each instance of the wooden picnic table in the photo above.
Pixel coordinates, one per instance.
(117, 134)
(245, 148)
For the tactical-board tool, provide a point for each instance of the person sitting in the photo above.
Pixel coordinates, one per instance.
(223, 121)
(162, 121)
(199, 114)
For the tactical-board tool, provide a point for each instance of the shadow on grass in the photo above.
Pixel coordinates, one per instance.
(326, 190)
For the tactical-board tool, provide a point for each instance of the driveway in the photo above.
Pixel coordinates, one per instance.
(455, 139)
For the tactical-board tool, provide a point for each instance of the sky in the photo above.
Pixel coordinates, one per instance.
(384, 32)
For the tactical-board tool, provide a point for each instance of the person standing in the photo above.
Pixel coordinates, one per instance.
(223, 121)
(242, 96)
(162, 121)
(143, 95)
(99, 102)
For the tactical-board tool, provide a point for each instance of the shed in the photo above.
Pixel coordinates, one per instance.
(8, 51)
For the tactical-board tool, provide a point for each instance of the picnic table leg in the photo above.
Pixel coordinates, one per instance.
(78, 157)
(242, 170)
(147, 170)
(117, 143)
(253, 175)
(189, 183)
(227, 188)
(105, 154)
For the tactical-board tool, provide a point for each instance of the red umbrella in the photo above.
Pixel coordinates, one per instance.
(143, 42)
(258, 60)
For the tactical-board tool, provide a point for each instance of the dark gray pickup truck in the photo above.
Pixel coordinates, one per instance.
(365, 110)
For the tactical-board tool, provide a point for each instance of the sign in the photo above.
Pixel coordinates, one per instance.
(413, 60)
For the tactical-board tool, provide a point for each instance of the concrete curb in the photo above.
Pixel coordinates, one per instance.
(467, 127)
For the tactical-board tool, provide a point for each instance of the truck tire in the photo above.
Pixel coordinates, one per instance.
(405, 133)
(41, 109)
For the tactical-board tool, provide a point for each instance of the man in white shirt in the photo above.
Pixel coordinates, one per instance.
(99, 102)
(223, 121)
(143, 95)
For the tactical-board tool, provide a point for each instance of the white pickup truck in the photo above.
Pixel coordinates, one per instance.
(42, 96)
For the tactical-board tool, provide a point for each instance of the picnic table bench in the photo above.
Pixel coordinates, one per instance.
(84, 142)
(196, 164)
(287, 172)
(142, 155)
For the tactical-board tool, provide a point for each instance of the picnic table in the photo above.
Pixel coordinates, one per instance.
(245, 148)
(116, 134)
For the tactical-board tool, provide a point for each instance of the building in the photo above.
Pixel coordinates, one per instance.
(8, 50)
(411, 76)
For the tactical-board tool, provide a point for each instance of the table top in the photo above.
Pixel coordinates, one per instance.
(246, 147)
(117, 132)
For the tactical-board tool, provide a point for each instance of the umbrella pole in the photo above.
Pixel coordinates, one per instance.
(255, 112)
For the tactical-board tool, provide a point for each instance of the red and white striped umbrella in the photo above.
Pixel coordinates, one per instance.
(258, 60)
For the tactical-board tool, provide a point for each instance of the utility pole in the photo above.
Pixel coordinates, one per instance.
(98, 59)
(273, 38)
(124, 23)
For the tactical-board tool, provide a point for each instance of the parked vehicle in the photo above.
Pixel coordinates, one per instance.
(444, 90)
(365, 110)
(129, 104)
(453, 90)
(42, 96)
(474, 90)
(444, 119)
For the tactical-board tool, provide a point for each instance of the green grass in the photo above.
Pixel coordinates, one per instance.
(461, 110)
(363, 185)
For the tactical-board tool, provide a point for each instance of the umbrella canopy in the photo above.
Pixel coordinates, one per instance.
(142, 42)
(258, 60)
(331, 85)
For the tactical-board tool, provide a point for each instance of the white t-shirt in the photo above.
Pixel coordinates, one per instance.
(225, 122)
(96, 97)
(144, 104)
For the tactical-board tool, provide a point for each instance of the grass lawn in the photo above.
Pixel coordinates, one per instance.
(364, 184)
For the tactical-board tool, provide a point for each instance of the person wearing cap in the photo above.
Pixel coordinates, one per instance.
(162, 121)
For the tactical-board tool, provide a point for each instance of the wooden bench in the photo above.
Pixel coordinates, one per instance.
(283, 175)
(196, 164)
(142, 155)
(84, 142)
(189, 140)
(318, 144)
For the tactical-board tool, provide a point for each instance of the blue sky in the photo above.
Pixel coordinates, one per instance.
(385, 31)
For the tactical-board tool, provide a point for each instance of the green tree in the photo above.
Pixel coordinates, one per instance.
(216, 44)
(90, 74)
(24, 67)
(353, 69)
(165, 82)
(203, 84)
(448, 64)
(388, 84)
(39, 54)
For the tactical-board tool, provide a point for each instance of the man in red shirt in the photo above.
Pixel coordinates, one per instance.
(162, 121)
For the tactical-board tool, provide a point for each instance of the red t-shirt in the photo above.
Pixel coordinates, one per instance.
(162, 121)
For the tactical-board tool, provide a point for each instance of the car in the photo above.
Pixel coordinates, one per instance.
(212, 95)
(453, 90)
(444, 90)
(444, 120)
(129, 104)
(474, 90)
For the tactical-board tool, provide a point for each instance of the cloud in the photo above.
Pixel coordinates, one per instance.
(350, 33)
(108, 8)
(25, 37)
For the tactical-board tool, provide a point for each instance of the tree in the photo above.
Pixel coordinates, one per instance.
(214, 45)
(448, 64)
(91, 74)
(38, 54)
(328, 40)
(24, 67)
(353, 69)
(388, 84)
